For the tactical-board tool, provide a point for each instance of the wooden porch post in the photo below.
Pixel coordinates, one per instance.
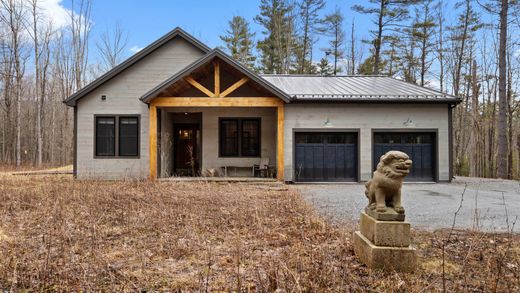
(280, 142)
(153, 141)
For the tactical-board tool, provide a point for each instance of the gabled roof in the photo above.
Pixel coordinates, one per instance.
(358, 88)
(208, 58)
(177, 32)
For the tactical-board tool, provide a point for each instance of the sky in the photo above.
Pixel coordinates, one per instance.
(146, 21)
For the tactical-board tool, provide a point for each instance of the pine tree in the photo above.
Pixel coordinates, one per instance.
(387, 13)
(324, 67)
(333, 26)
(424, 30)
(309, 15)
(277, 49)
(239, 41)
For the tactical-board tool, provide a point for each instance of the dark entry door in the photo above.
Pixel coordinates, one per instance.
(420, 146)
(185, 149)
(325, 156)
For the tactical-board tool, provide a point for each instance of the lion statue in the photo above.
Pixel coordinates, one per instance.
(384, 189)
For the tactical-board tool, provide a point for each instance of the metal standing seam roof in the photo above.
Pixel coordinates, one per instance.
(355, 88)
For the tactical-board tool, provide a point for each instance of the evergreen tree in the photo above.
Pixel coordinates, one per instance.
(387, 14)
(324, 67)
(393, 55)
(367, 66)
(424, 31)
(309, 15)
(333, 26)
(277, 49)
(239, 41)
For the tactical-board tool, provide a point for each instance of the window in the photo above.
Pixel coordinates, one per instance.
(128, 136)
(250, 138)
(239, 137)
(116, 136)
(105, 136)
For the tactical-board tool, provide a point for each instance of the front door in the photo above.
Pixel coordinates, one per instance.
(185, 149)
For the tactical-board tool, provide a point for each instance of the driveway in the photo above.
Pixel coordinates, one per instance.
(488, 204)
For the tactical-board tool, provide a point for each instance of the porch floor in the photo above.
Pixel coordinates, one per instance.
(219, 179)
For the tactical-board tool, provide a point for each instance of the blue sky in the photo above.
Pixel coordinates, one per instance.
(146, 21)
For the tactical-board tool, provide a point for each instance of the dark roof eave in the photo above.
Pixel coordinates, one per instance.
(71, 101)
(378, 101)
(146, 98)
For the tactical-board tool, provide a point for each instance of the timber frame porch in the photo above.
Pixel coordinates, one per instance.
(162, 97)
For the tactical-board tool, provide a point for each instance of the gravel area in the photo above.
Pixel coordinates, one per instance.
(487, 204)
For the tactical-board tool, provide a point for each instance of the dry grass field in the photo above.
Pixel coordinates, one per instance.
(57, 234)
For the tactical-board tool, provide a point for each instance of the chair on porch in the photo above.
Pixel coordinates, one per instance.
(262, 169)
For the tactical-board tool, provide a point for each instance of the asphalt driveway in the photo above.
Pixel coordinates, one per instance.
(487, 204)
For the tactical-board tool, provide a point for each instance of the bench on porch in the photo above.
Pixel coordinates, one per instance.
(262, 168)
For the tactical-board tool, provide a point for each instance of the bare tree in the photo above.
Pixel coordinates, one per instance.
(13, 16)
(112, 46)
(502, 93)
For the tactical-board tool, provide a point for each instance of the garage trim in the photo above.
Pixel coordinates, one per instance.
(351, 130)
(435, 131)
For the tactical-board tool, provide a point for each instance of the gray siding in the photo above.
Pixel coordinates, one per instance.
(366, 118)
(123, 93)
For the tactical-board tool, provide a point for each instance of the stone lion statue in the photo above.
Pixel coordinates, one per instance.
(384, 189)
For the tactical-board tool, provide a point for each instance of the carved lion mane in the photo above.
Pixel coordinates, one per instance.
(384, 189)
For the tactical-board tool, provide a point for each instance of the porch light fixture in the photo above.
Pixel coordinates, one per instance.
(103, 97)
(327, 123)
(409, 122)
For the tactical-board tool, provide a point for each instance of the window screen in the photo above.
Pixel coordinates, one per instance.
(128, 136)
(105, 136)
(250, 137)
(228, 138)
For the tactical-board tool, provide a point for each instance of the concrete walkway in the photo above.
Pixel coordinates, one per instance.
(488, 204)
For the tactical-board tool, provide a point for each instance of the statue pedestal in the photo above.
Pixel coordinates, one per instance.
(384, 244)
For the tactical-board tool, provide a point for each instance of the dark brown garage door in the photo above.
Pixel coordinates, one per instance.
(325, 156)
(420, 146)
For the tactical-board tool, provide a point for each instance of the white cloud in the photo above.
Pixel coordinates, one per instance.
(135, 49)
(55, 12)
(434, 83)
(517, 53)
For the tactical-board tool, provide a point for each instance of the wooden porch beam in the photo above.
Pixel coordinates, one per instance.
(212, 102)
(217, 78)
(234, 86)
(199, 86)
(280, 142)
(153, 141)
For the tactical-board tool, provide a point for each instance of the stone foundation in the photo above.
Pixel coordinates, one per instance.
(384, 244)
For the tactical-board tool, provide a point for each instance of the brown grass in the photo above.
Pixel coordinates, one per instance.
(62, 235)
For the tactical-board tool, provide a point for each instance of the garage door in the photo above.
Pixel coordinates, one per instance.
(420, 146)
(325, 156)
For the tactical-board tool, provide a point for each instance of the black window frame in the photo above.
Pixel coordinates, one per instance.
(239, 122)
(117, 118)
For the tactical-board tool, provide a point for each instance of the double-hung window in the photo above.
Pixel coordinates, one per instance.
(239, 137)
(116, 136)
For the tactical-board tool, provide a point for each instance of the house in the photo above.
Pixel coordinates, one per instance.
(177, 108)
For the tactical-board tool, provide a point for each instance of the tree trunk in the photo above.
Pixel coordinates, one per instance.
(378, 41)
(502, 94)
